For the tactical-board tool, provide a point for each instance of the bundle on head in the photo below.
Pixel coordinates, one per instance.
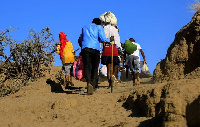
(109, 17)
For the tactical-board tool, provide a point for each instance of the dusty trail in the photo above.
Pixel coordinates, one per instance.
(37, 106)
(177, 101)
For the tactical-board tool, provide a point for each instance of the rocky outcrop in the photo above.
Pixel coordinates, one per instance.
(183, 55)
(172, 104)
(175, 101)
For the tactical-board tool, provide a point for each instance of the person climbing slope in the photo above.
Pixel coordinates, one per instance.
(92, 34)
(109, 23)
(133, 59)
(66, 52)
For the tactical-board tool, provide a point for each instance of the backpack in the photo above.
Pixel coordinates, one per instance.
(77, 70)
(129, 47)
(67, 53)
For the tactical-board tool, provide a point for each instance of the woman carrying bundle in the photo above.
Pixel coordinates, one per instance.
(109, 24)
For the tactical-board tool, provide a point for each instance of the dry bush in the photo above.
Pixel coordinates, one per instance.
(195, 7)
(27, 60)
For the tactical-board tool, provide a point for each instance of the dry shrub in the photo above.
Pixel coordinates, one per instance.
(196, 6)
(27, 60)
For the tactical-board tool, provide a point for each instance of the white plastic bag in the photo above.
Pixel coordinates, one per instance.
(145, 69)
(103, 70)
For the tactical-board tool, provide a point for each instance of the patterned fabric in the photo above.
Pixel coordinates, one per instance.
(77, 70)
(107, 50)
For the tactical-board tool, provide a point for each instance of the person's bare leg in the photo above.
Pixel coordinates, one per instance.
(67, 79)
(70, 78)
(115, 70)
(138, 78)
(126, 72)
(72, 84)
(133, 78)
(108, 73)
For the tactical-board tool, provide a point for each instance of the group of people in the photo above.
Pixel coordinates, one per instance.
(95, 42)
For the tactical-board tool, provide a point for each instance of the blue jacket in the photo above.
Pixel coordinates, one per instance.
(91, 36)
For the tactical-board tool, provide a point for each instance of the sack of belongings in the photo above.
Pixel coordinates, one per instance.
(103, 70)
(109, 17)
(129, 47)
(77, 70)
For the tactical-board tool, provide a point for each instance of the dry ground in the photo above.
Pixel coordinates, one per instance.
(39, 105)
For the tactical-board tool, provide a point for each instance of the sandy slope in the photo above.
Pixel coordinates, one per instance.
(37, 105)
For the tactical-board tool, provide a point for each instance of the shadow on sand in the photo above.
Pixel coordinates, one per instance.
(57, 88)
(137, 111)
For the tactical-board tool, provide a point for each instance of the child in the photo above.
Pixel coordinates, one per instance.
(66, 51)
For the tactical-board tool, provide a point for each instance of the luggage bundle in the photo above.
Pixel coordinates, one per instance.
(145, 69)
(103, 70)
(109, 17)
(129, 47)
(77, 70)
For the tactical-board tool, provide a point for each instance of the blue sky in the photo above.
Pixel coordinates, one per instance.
(153, 23)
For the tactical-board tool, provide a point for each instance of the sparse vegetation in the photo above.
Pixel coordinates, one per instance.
(195, 7)
(27, 60)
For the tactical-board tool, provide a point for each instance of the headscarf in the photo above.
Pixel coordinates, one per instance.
(63, 41)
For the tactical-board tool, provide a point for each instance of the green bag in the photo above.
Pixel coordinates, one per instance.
(129, 47)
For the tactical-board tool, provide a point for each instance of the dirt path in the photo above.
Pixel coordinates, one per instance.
(36, 105)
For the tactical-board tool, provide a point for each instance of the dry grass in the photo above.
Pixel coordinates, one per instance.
(195, 7)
